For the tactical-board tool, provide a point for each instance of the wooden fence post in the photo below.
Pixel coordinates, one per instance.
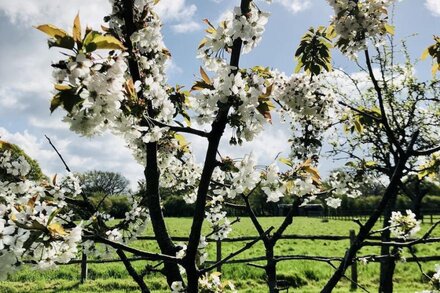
(354, 272)
(83, 268)
(219, 254)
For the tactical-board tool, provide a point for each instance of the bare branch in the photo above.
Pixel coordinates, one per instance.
(233, 254)
(58, 153)
(137, 252)
(426, 152)
(178, 128)
(138, 279)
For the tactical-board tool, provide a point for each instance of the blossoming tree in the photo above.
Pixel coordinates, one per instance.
(115, 81)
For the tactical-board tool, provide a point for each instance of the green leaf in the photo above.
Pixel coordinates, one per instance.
(390, 29)
(95, 40)
(186, 118)
(55, 103)
(200, 85)
(202, 43)
(68, 99)
(205, 76)
(358, 125)
(52, 216)
(66, 42)
(435, 68)
(286, 161)
(182, 142)
(264, 109)
(62, 87)
(425, 54)
(52, 30)
(77, 29)
(370, 164)
(298, 67)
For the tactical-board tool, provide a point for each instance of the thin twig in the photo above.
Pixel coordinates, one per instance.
(58, 153)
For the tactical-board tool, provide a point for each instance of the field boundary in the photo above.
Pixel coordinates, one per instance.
(353, 275)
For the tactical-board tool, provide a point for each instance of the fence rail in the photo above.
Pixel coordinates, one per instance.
(84, 261)
(428, 216)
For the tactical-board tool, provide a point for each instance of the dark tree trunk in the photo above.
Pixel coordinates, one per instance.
(271, 269)
(218, 127)
(417, 207)
(387, 265)
(151, 197)
(364, 231)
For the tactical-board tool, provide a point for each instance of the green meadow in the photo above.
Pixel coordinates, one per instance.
(303, 276)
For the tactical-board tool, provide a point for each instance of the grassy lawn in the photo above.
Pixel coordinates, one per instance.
(304, 276)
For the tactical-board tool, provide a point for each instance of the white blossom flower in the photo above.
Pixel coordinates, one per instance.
(177, 287)
(333, 202)
(404, 226)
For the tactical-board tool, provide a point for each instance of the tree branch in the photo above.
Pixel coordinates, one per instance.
(384, 119)
(138, 252)
(139, 280)
(58, 153)
(233, 254)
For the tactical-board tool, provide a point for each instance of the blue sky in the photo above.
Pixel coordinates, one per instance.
(25, 74)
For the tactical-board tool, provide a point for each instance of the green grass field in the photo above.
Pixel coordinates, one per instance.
(305, 276)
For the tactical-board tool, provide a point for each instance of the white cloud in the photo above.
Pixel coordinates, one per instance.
(48, 122)
(179, 12)
(81, 154)
(227, 14)
(61, 13)
(172, 69)
(175, 10)
(8, 103)
(186, 27)
(433, 6)
(294, 6)
(58, 12)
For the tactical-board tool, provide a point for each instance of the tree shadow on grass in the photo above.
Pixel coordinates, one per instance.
(66, 288)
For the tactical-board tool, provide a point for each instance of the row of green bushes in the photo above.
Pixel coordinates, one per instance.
(118, 205)
(175, 206)
(368, 203)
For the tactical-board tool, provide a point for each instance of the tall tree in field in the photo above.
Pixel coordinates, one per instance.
(103, 181)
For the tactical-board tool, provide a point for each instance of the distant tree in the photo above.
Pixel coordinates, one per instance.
(35, 172)
(103, 181)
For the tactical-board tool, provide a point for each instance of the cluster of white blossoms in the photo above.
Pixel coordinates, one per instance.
(208, 283)
(436, 277)
(216, 217)
(304, 186)
(357, 21)
(28, 212)
(152, 56)
(342, 184)
(333, 202)
(248, 27)
(181, 175)
(17, 168)
(95, 88)
(96, 91)
(246, 91)
(404, 226)
(246, 178)
(310, 104)
(211, 283)
(272, 186)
